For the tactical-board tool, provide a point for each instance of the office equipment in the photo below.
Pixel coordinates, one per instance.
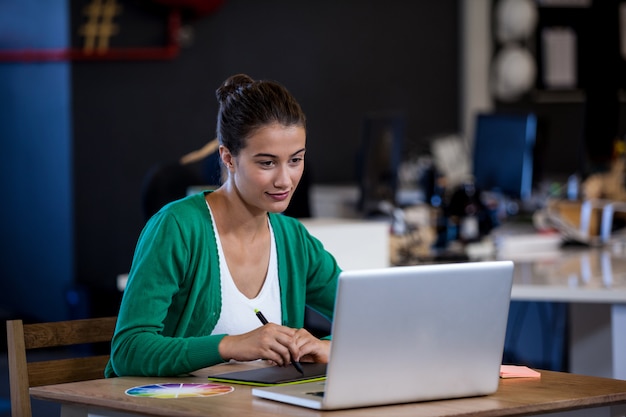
(25, 373)
(379, 159)
(274, 375)
(440, 329)
(503, 154)
(261, 317)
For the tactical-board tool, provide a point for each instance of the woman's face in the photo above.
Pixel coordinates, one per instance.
(269, 167)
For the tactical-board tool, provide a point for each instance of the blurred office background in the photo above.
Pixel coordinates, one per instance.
(95, 93)
(80, 133)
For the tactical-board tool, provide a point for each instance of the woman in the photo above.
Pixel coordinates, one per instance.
(205, 263)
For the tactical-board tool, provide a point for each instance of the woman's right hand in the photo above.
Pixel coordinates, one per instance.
(271, 342)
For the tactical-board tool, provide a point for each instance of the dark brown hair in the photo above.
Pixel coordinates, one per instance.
(246, 105)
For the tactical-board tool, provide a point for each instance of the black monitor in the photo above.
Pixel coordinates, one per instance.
(503, 154)
(379, 158)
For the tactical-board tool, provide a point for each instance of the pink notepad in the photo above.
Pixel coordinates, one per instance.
(518, 371)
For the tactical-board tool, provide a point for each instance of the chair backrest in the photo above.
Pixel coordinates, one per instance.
(75, 365)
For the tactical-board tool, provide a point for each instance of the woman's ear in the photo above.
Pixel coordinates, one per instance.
(226, 157)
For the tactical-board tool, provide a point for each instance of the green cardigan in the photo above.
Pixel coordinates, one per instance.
(172, 300)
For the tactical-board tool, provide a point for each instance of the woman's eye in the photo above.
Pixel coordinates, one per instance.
(266, 163)
(296, 160)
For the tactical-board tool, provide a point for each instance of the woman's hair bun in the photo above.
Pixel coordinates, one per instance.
(232, 85)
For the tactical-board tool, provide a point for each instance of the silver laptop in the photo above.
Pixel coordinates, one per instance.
(411, 333)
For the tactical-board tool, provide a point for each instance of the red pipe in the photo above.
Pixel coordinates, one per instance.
(169, 51)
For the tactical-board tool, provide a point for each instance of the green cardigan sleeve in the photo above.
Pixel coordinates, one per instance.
(172, 299)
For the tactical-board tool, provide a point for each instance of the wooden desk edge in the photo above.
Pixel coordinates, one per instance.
(553, 392)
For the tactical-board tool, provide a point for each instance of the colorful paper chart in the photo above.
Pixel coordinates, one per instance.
(178, 390)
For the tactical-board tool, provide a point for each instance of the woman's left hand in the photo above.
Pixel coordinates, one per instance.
(311, 348)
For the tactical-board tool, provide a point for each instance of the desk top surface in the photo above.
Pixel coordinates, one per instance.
(573, 275)
(554, 391)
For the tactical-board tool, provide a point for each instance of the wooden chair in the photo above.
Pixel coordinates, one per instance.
(75, 365)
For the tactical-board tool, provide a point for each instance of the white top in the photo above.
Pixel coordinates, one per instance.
(238, 311)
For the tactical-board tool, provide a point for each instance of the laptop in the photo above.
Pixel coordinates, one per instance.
(411, 333)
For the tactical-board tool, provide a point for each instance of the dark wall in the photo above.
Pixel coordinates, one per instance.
(341, 59)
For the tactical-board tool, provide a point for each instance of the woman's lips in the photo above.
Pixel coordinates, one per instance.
(279, 196)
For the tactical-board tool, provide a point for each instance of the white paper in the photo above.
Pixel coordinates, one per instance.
(559, 57)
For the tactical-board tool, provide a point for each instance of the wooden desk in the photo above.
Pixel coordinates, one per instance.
(553, 392)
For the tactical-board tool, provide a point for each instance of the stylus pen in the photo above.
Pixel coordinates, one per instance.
(264, 321)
